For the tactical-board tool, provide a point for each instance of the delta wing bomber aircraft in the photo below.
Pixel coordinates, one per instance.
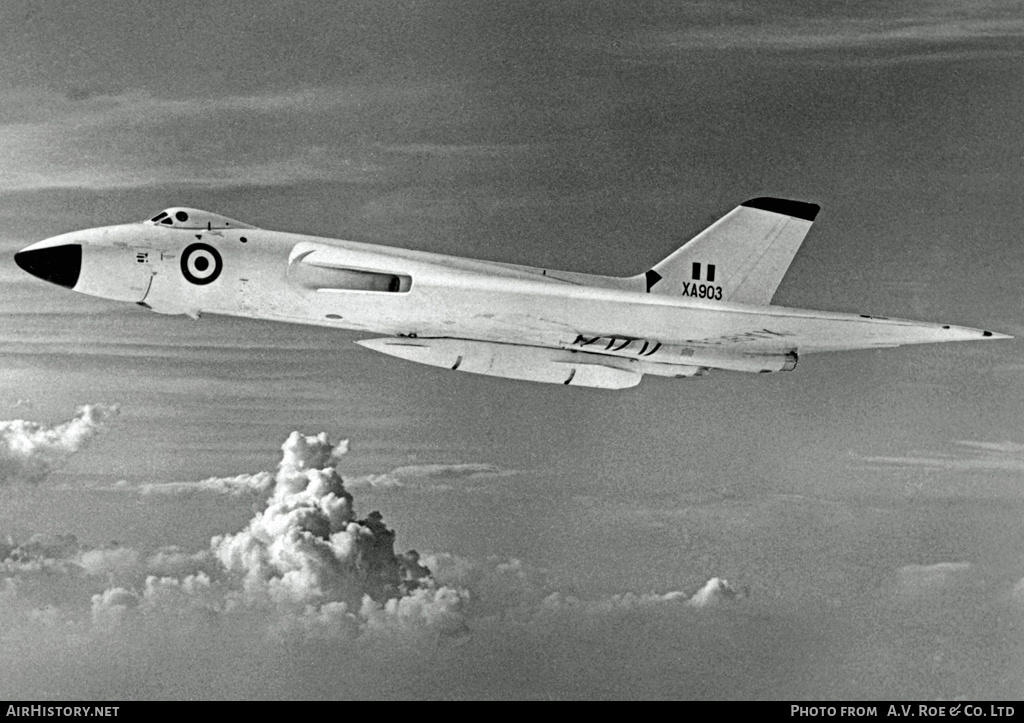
(707, 306)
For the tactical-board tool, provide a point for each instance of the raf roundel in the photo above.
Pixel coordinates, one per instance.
(201, 264)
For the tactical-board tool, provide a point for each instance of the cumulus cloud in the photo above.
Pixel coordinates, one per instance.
(714, 591)
(110, 561)
(38, 552)
(305, 562)
(29, 451)
(308, 548)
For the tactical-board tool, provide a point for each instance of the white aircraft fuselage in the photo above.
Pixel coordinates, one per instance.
(689, 314)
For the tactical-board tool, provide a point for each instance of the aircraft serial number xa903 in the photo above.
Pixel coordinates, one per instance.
(702, 291)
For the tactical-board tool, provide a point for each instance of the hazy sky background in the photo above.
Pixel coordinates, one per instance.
(866, 507)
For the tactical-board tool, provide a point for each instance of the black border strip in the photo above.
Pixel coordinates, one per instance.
(796, 209)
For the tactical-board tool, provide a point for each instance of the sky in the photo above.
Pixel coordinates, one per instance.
(186, 507)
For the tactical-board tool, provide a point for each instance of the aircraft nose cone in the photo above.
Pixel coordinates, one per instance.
(59, 265)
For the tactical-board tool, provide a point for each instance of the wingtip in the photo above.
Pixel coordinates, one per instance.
(966, 332)
(994, 335)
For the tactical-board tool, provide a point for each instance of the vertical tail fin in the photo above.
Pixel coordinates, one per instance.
(742, 257)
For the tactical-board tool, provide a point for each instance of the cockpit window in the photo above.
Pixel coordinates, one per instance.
(193, 218)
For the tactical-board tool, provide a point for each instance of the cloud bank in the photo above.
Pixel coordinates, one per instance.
(309, 598)
(306, 580)
(732, 25)
(963, 455)
(30, 451)
(434, 477)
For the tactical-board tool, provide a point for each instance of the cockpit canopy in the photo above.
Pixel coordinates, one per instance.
(181, 217)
